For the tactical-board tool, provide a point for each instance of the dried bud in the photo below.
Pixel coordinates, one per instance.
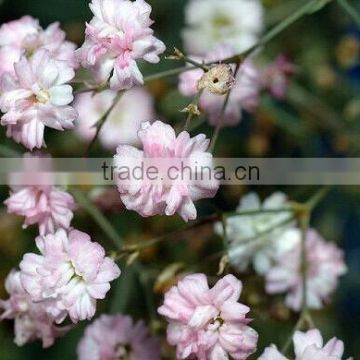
(218, 80)
(192, 109)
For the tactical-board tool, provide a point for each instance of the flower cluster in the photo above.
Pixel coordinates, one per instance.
(117, 337)
(31, 319)
(161, 143)
(34, 92)
(118, 35)
(208, 323)
(324, 265)
(69, 275)
(122, 124)
(251, 238)
(308, 345)
(211, 22)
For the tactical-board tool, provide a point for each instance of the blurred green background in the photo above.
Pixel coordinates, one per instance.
(319, 118)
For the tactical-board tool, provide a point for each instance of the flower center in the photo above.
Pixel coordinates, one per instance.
(123, 352)
(221, 21)
(216, 323)
(43, 96)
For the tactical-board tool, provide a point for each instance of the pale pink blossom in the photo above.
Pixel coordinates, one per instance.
(46, 206)
(208, 323)
(24, 36)
(69, 276)
(123, 123)
(244, 93)
(37, 96)
(309, 346)
(117, 37)
(324, 263)
(112, 337)
(275, 77)
(31, 320)
(170, 194)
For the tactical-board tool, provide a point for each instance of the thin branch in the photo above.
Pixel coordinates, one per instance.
(352, 12)
(103, 119)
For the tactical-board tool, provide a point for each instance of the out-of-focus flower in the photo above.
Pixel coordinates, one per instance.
(244, 92)
(211, 22)
(324, 264)
(118, 35)
(37, 96)
(113, 337)
(252, 238)
(122, 124)
(31, 320)
(275, 77)
(46, 206)
(68, 277)
(24, 36)
(208, 323)
(308, 346)
(176, 192)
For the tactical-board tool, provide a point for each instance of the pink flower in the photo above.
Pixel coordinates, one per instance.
(244, 94)
(24, 36)
(123, 123)
(169, 194)
(113, 337)
(308, 346)
(46, 206)
(275, 77)
(68, 277)
(208, 323)
(117, 36)
(37, 96)
(31, 320)
(325, 263)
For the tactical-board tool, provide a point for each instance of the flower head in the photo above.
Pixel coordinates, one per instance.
(69, 275)
(23, 37)
(118, 35)
(31, 320)
(309, 345)
(46, 206)
(176, 193)
(325, 263)
(37, 96)
(211, 22)
(113, 337)
(208, 323)
(251, 238)
(275, 77)
(122, 124)
(244, 90)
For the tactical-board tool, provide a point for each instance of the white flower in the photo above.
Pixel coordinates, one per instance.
(250, 238)
(213, 22)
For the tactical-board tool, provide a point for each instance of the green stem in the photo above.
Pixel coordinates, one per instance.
(98, 216)
(355, 15)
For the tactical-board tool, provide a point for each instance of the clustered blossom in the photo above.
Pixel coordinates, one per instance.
(244, 93)
(37, 95)
(324, 264)
(117, 337)
(250, 238)
(123, 123)
(23, 37)
(162, 148)
(212, 22)
(117, 37)
(208, 323)
(46, 206)
(31, 320)
(69, 275)
(308, 346)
